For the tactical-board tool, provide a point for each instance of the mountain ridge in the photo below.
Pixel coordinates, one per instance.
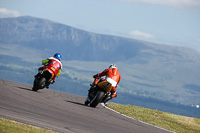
(45, 32)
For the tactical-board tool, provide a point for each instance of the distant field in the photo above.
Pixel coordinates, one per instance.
(137, 79)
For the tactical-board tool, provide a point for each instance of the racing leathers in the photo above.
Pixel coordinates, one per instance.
(54, 65)
(112, 76)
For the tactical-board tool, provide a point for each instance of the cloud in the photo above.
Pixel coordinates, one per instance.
(197, 40)
(140, 35)
(8, 13)
(173, 3)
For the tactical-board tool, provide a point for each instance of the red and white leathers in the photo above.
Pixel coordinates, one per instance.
(54, 66)
(112, 76)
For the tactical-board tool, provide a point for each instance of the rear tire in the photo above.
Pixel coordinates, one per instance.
(35, 86)
(97, 99)
(39, 84)
(34, 89)
(87, 102)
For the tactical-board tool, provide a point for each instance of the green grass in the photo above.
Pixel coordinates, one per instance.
(172, 122)
(10, 126)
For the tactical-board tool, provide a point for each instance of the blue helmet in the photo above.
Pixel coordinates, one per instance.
(57, 56)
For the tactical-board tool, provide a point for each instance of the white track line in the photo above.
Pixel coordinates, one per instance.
(102, 104)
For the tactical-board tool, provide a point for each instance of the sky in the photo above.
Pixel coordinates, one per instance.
(169, 22)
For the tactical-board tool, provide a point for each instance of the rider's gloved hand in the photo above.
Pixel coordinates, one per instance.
(40, 69)
(95, 76)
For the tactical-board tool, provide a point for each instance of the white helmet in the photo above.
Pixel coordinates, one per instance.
(113, 66)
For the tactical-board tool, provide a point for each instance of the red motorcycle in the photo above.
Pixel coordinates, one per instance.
(43, 79)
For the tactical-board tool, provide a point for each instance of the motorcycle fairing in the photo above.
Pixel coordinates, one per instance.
(52, 73)
(105, 85)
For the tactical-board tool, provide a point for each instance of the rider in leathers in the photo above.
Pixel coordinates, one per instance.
(55, 66)
(112, 76)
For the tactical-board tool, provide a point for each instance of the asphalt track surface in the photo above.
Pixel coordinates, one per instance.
(63, 112)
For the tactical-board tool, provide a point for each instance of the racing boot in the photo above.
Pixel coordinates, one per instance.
(108, 97)
(49, 82)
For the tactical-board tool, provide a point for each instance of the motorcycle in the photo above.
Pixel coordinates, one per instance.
(98, 93)
(43, 79)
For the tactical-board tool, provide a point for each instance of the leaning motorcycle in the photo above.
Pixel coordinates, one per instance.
(98, 93)
(43, 79)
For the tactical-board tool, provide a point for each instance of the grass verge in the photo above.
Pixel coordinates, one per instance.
(10, 126)
(172, 122)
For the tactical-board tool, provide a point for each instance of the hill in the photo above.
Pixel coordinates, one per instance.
(149, 71)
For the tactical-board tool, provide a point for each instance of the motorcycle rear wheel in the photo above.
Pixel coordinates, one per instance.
(97, 99)
(39, 84)
(87, 102)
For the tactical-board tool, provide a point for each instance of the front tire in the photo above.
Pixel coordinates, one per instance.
(97, 99)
